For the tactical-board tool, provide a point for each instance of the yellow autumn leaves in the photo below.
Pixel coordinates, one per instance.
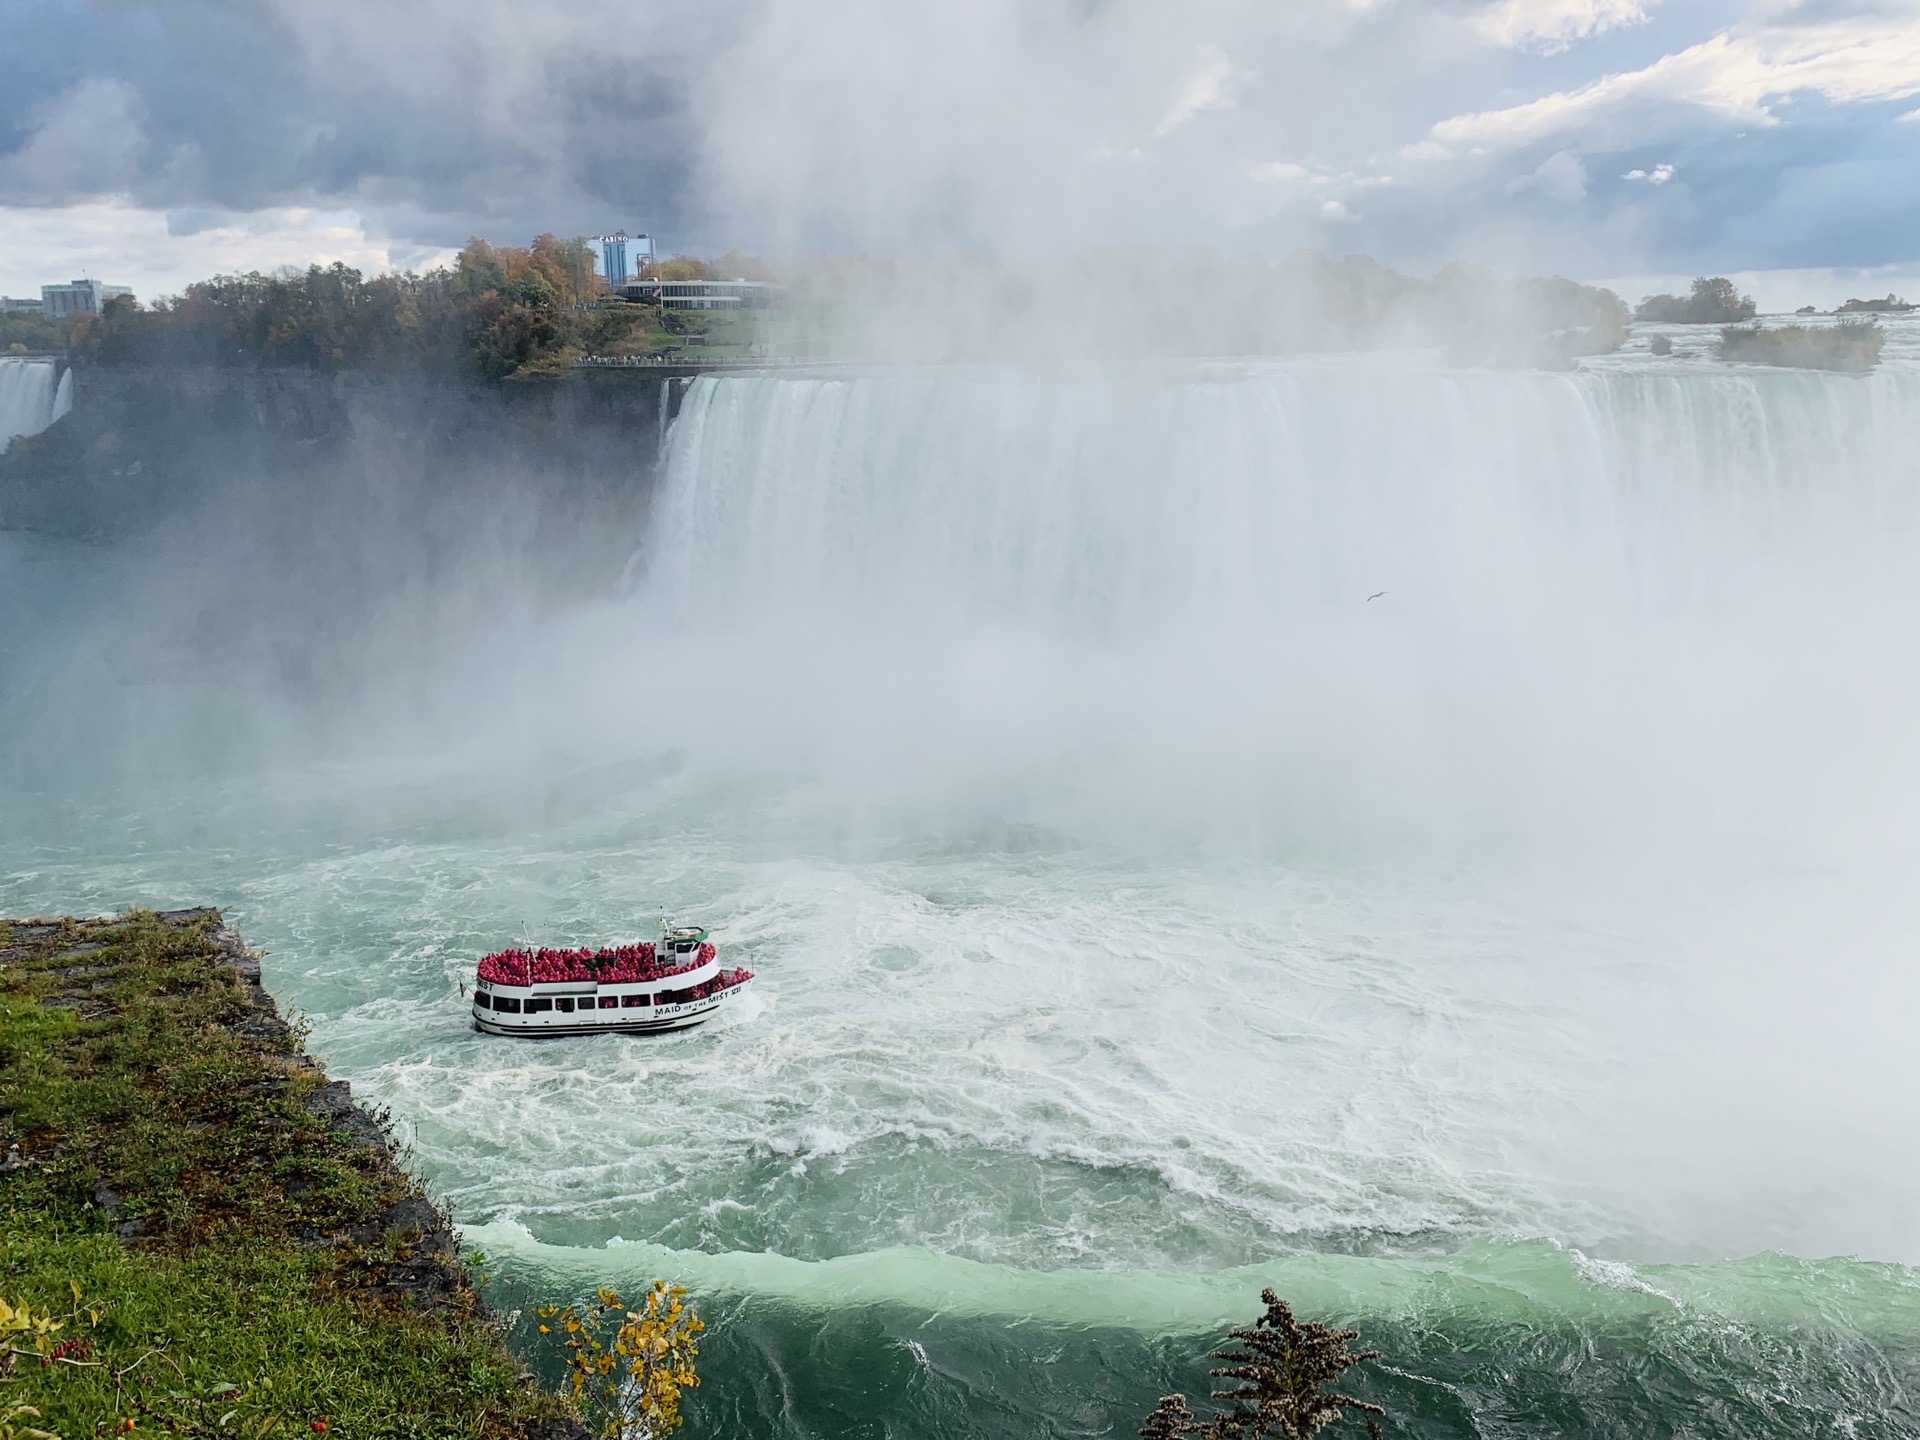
(628, 1367)
(29, 1324)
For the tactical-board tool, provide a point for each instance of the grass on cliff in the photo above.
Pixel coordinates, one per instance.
(219, 1244)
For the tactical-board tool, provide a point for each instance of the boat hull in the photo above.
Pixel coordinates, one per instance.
(647, 1020)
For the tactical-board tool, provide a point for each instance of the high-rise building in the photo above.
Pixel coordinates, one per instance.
(78, 297)
(613, 257)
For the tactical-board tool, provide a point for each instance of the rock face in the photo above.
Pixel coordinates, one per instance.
(144, 448)
(407, 1253)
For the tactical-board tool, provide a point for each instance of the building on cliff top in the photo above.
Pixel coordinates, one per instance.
(703, 294)
(79, 297)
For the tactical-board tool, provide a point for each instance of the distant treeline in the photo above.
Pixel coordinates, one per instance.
(1890, 305)
(509, 311)
(497, 312)
(1713, 301)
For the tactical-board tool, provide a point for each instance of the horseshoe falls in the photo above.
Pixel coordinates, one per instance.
(1435, 842)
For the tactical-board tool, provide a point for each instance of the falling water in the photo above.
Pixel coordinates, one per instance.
(33, 394)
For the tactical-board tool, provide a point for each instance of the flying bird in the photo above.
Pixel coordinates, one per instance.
(1375, 596)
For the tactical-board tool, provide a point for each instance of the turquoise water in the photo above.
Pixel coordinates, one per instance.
(1516, 966)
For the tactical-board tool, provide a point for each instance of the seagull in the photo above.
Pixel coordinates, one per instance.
(1376, 595)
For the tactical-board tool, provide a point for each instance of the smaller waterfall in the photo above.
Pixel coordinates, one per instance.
(33, 394)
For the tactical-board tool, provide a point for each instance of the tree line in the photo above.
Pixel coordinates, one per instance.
(497, 311)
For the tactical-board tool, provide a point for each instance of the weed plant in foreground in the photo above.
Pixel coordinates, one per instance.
(206, 1236)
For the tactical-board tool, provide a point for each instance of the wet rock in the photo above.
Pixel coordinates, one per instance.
(333, 1102)
(183, 918)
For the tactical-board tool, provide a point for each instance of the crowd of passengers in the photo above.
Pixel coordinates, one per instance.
(569, 1004)
(610, 965)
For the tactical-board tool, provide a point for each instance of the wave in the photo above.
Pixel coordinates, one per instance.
(1509, 1281)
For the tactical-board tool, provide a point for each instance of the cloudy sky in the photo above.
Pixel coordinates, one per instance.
(1625, 140)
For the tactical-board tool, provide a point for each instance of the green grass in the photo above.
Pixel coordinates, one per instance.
(234, 1272)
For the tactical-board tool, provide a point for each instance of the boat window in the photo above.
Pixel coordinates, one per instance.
(566, 1004)
(508, 1003)
(609, 1002)
(535, 1006)
(630, 1001)
(483, 1000)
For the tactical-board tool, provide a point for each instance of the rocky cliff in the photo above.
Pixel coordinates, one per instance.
(147, 448)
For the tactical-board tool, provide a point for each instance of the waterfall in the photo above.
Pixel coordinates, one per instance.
(1665, 589)
(33, 394)
(1123, 504)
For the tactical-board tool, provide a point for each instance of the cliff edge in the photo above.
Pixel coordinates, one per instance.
(204, 1233)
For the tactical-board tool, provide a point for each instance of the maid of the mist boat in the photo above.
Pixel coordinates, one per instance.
(624, 988)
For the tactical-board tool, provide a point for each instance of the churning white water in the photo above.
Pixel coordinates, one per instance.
(1182, 816)
(1133, 890)
(33, 394)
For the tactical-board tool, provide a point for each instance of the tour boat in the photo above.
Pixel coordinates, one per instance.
(625, 989)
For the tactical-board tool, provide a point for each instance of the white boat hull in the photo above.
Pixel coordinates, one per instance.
(622, 1020)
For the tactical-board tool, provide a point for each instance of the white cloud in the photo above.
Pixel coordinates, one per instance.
(1280, 172)
(1659, 175)
(1209, 86)
(1735, 74)
(1334, 210)
(125, 244)
(1559, 177)
(1553, 25)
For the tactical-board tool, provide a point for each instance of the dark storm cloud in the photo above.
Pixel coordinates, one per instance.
(231, 106)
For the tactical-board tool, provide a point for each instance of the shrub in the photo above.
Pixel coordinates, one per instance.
(631, 1382)
(1851, 345)
(1281, 1368)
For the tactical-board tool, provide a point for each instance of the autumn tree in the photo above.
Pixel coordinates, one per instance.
(628, 1367)
(680, 267)
(498, 311)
